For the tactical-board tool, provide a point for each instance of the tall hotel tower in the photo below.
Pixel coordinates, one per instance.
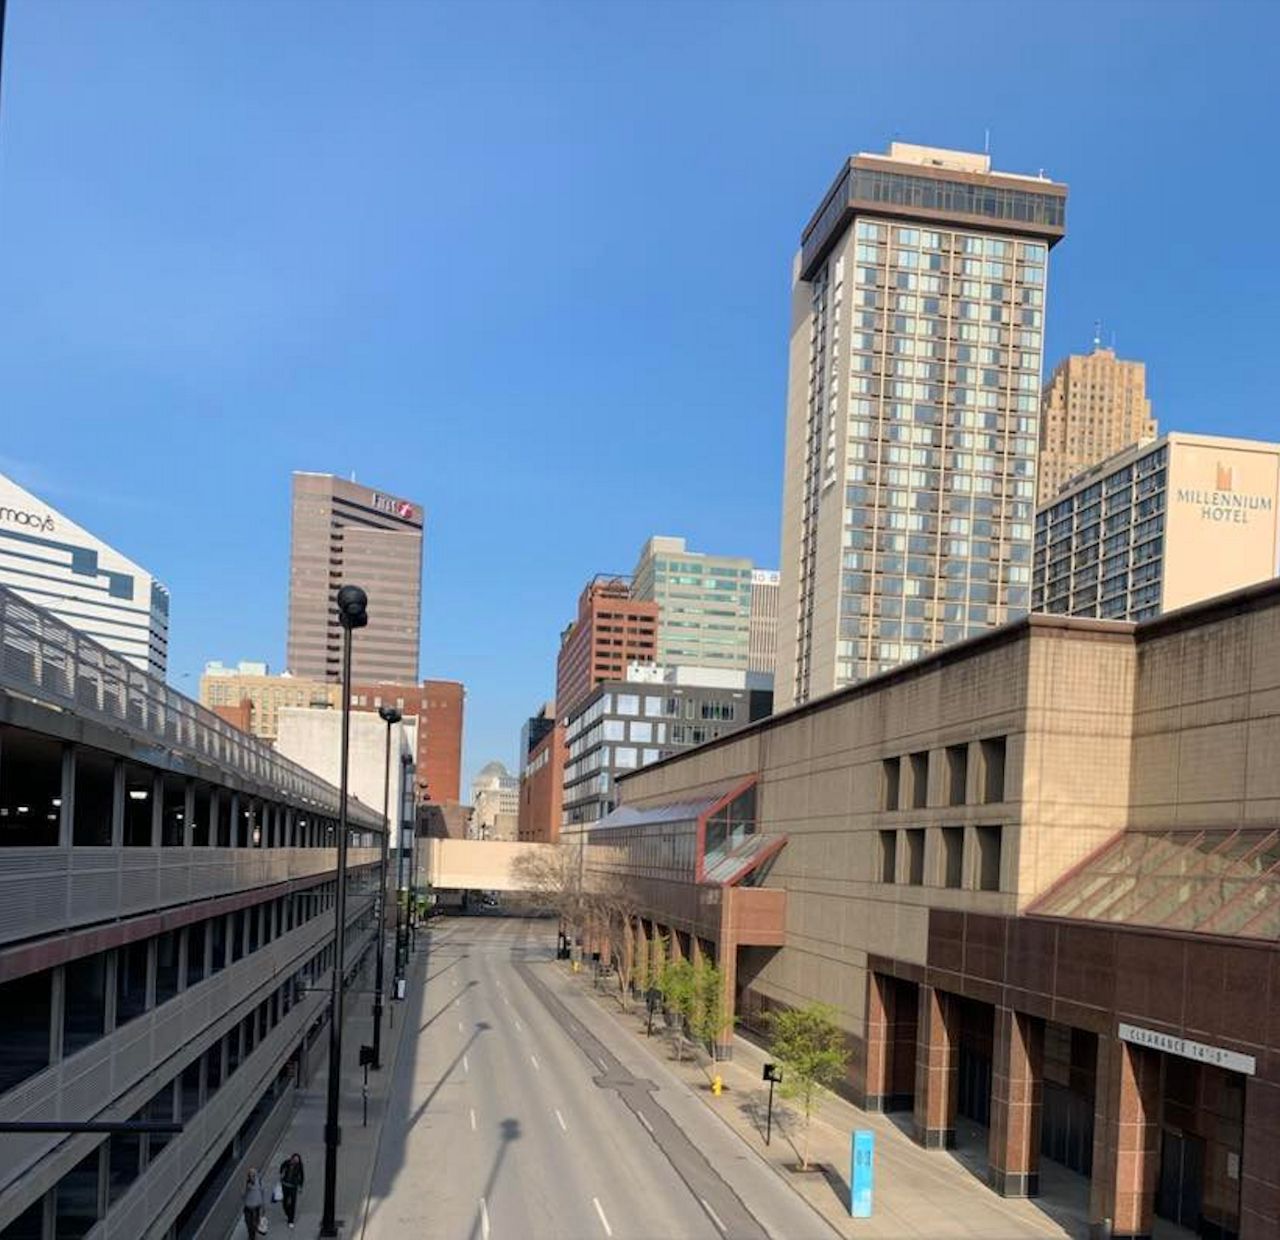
(913, 399)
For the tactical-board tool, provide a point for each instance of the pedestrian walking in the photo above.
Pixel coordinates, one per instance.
(253, 1203)
(292, 1178)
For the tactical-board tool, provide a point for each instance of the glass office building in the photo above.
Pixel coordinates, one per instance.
(913, 413)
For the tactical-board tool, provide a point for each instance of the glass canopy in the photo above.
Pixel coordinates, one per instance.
(1220, 881)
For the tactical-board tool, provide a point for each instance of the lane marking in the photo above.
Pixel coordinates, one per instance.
(459, 1026)
(563, 1126)
(519, 1026)
(473, 1119)
(604, 1222)
(484, 1219)
(715, 1218)
(535, 1062)
(506, 1000)
(645, 1121)
(466, 1065)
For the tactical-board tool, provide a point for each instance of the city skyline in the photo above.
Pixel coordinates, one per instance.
(278, 365)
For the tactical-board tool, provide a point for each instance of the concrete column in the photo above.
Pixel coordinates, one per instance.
(936, 1076)
(877, 1085)
(66, 810)
(1126, 1141)
(1017, 1089)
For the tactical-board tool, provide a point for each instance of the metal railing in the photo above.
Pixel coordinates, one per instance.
(43, 658)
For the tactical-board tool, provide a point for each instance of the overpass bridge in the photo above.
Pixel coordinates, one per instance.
(478, 865)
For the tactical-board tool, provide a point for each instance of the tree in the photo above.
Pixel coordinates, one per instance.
(810, 1046)
(710, 1017)
(678, 983)
(552, 879)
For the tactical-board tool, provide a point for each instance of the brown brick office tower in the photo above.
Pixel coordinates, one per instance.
(1038, 874)
(347, 533)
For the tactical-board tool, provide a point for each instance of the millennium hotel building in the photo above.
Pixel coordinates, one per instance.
(167, 889)
(913, 400)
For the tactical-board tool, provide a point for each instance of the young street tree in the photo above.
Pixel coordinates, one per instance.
(678, 983)
(710, 1017)
(810, 1046)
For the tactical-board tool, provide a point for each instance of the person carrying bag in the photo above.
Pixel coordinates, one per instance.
(292, 1178)
(253, 1202)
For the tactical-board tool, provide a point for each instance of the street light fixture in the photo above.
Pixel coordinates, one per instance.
(390, 716)
(352, 614)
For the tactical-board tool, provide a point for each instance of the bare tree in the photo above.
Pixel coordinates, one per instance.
(552, 880)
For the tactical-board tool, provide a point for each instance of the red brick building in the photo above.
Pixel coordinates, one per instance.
(611, 631)
(542, 790)
(438, 707)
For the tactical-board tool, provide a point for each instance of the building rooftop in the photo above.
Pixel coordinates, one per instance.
(933, 185)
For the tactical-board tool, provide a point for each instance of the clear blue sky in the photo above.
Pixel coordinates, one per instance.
(529, 264)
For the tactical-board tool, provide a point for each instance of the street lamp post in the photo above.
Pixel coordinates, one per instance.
(352, 614)
(390, 716)
(401, 912)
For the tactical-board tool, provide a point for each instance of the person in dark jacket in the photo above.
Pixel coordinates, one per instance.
(253, 1203)
(292, 1178)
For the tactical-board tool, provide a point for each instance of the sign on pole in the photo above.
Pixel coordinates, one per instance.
(862, 1172)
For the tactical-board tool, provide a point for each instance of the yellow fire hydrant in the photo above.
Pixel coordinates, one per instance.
(717, 1084)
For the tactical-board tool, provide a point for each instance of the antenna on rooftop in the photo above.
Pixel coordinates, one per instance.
(986, 141)
(1097, 334)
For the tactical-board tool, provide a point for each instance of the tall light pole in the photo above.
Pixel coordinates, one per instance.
(390, 716)
(352, 614)
(401, 911)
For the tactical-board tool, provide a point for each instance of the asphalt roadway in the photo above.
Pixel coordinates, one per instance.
(521, 1112)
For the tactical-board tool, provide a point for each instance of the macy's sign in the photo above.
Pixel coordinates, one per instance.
(23, 516)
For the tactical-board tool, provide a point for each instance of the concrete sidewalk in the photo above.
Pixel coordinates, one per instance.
(305, 1133)
(929, 1194)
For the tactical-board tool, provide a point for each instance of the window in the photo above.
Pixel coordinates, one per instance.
(131, 982)
(166, 966)
(222, 816)
(915, 856)
(213, 1069)
(160, 1110)
(890, 775)
(218, 945)
(139, 806)
(957, 774)
(953, 857)
(201, 816)
(993, 752)
(173, 811)
(196, 938)
(920, 779)
(24, 1033)
(124, 1160)
(989, 858)
(30, 790)
(189, 1087)
(84, 1010)
(888, 856)
(76, 1198)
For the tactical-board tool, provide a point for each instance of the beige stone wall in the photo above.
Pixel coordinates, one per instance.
(1207, 722)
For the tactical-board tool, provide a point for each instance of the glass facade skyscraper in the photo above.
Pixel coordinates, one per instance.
(913, 413)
